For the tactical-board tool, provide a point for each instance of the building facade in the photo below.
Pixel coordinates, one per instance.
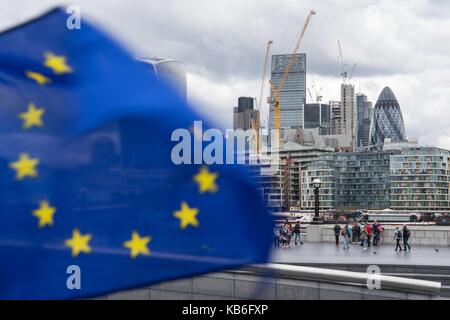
(244, 114)
(293, 93)
(387, 121)
(324, 169)
(419, 179)
(363, 118)
(353, 180)
(279, 182)
(413, 178)
(348, 110)
(362, 179)
(336, 125)
(317, 115)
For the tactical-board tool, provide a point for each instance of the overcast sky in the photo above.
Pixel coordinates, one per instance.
(401, 44)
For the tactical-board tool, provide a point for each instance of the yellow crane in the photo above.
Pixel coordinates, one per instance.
(275, 92)
(256, 124)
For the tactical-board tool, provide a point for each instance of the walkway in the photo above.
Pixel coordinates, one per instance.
(330, 253)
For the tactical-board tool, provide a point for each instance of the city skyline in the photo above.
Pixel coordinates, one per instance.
(399, 45)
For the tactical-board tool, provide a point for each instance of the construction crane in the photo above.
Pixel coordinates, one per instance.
(275, 92)
(256, 124)
(310, 95)
(317, 93)
(352, 72)
(344, 73)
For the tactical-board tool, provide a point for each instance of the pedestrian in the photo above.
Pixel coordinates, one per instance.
(406, 234)
(346, 235)
(397, 237)
(337, 232)
(361, 229)
(297, 233)
(290, 233)
(364, 238)
(355, 232)
(285, 236)
(380, 231)
(369, 233)
(276, 236)
(376, 233)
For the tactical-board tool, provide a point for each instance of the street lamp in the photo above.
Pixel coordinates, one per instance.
(316, 184)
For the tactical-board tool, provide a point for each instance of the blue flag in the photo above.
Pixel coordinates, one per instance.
(91, 199)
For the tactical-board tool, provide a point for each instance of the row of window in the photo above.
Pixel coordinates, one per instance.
(419, 198)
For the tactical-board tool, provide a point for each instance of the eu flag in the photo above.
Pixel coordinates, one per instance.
(87, 181)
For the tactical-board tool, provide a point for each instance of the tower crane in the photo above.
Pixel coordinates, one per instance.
(352, 72)
(318, 94)
(310, 95)
(344, 73)
(256, 124)
(275, 92)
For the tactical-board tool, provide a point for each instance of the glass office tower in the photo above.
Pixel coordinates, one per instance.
(387, 121)
(293, 93)
(363, 118)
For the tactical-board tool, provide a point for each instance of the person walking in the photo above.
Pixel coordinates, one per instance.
(361, 228)
(288, 234)
(276, 236)
(364, 238)
(346, 235)
(337, 232)
(369, 233)
(355, 232)
(380, 231)
(398, 237)
(297, 233)
(406, 234)
(376, 233)
(284, 236)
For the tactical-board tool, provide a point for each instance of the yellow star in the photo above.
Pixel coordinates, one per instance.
(33, 117)
(187, 216)
(56, 63)
(79, 243)
(25, 167)
(206, 180)
(45, 214)
(38, 77)
(138, 245)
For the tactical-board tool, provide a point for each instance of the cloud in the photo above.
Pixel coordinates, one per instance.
(401, 43)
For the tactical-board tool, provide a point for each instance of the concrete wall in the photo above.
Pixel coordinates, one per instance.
(238, 285)
(420, 235)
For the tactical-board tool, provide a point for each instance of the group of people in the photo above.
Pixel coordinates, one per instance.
(402, 235)
(370, 234)
(366, 233)
(283, 234)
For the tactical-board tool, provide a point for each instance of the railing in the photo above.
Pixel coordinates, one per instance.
(348, 277)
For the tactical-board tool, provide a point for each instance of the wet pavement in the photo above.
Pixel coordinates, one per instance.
(384, 254)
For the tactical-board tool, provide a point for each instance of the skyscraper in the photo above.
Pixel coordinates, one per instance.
(348, 110)
(363, 117)
(293, 93)
(317, 115)
(336, 117)
(244, 113)
(387, 120)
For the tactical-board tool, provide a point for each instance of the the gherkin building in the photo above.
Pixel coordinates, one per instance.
(387, 121)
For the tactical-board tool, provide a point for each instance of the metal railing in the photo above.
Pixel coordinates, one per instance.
(347, 277)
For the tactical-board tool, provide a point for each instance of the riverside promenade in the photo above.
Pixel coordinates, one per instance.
(329, 253)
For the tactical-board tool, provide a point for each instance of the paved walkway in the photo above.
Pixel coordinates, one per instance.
(385, 254)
